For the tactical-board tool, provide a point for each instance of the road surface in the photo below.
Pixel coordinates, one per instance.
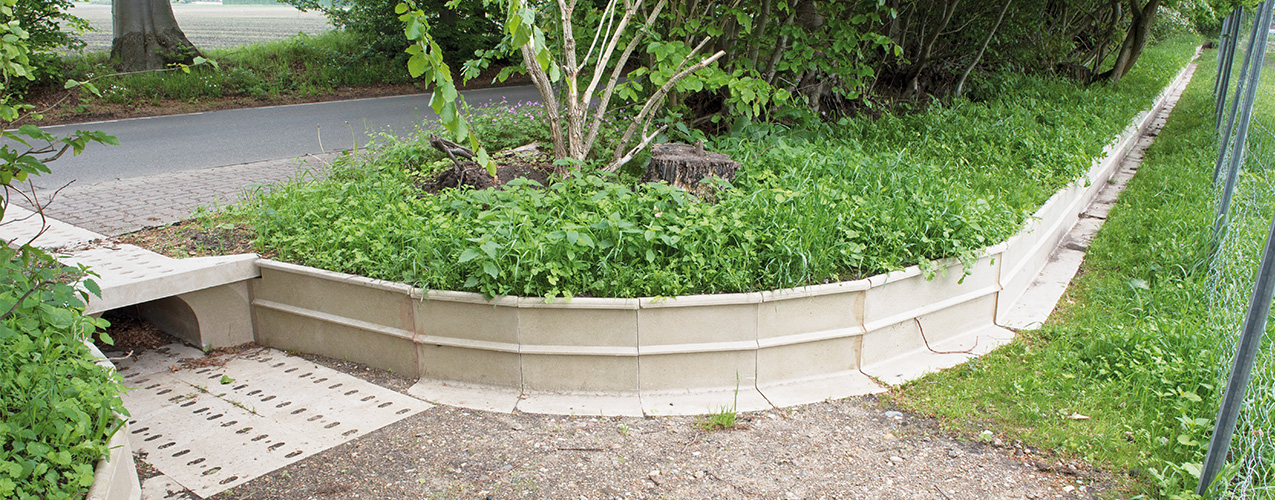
(164, 144)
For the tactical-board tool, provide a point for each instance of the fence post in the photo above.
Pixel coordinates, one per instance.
(1235, 103)
(1259, 307)
(1260, 27)
(1223, 48)
(1228, 64)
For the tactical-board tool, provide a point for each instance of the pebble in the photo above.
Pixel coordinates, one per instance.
(953, 453)
(893, 414)
(1069, 488)
(896, 459)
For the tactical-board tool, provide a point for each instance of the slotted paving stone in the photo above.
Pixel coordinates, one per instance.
(272, 410)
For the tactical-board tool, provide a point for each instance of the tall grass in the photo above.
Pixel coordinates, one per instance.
(1130, 347)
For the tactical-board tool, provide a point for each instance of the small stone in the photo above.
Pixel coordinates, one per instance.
(953, 454)
(1069, 488)
(896, 460)
(893, 414)
(699, 474)
(888, 436)
(998, 443)
(654, 473)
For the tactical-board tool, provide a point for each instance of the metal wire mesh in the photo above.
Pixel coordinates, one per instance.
(1245, 223)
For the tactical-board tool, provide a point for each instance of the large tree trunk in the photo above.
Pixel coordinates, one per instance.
(146, 35)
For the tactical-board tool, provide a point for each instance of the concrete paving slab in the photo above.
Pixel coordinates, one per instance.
(212, 428)
(485, 398)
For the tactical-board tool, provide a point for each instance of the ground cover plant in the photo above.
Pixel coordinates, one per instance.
(808, 206)
(1130, 348)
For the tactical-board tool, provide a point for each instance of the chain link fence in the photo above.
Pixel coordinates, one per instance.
(1242, 261)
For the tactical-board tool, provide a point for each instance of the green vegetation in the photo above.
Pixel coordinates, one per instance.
(1130, 348)
(808, 206)
(57, 406)
(301, 66)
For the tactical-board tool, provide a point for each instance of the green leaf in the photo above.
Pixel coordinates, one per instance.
(225, 380)
(469, 254)
(491, 269)
(93, 288)
(6, 332)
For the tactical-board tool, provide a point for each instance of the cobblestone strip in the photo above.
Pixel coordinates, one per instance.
(126, 205)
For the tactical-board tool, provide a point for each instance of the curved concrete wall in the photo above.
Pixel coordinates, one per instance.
(680, 355)
(115, 476)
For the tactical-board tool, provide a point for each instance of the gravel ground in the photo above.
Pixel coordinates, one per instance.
(852, 448)
(843, 449)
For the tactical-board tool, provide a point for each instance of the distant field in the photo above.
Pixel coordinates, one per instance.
(215, 26)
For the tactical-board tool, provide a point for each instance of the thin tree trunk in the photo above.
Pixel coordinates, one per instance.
(1135, 39)
(759, 31)
(960, 84)
(146, 36)
(927, 48)
(542, 83)
(780, 48)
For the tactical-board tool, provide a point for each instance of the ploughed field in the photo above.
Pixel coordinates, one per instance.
(213, 25)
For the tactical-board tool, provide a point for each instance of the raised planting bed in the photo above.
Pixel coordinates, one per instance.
(674, 355)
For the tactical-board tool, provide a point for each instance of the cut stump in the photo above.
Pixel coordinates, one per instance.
(684, 166)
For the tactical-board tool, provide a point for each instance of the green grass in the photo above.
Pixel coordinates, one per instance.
(301, 66)
(1130, 346)
(807, 207)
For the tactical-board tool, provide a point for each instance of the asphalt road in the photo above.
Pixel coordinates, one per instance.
(175, 143)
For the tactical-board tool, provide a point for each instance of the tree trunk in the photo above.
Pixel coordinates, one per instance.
(146, 35)
(927, 48)
(684, 166)
(960, 84)
(1135, 39)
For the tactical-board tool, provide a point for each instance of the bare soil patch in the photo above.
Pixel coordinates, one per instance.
(530, 164)
(190, 238)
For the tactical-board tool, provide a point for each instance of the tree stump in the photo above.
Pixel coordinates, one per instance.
(684, 166)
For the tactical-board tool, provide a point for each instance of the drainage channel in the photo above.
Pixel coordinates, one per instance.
(215, 427)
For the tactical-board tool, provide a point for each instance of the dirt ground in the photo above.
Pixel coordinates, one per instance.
(851, 448)
(844, 449)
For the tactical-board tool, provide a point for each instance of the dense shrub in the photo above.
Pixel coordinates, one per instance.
(57, 407)
(459, 32)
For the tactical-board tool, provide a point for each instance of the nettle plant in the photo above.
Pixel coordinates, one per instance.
(576, 90)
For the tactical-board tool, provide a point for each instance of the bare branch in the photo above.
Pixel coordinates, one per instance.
(653, 103)
(615, 165)
(601, 66)
(615, 77)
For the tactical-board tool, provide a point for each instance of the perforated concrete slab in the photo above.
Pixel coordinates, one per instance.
(212, 428)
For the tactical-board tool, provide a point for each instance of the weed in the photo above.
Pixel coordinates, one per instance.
(725, 418)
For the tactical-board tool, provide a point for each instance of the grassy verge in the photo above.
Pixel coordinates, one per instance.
(298, 68)
(808, 206)
(1129, 347)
